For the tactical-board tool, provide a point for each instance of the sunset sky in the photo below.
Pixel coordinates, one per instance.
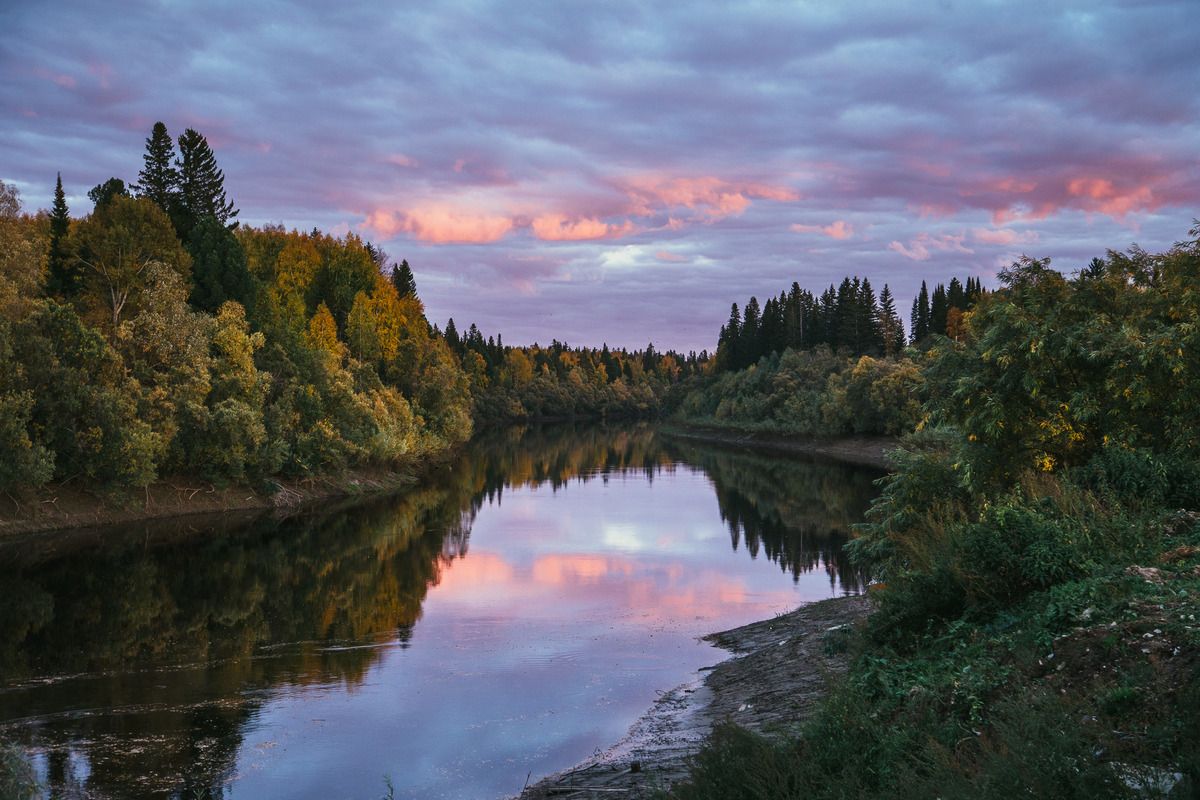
(623, 171)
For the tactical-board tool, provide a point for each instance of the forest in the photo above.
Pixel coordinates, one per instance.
(158, 336)
(1037, 545)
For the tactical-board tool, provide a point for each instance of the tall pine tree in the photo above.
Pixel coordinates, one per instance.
(939, 308)
(159, 179)
(920, 315)
(751, 338)
(890, 330)
(201, 186)
(65, 273)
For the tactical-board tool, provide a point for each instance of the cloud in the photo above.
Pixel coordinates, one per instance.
(710, 196)
(838, 229)
(921, 248)
(504, 166)
(1003, 236)
(439, 224)
(557, 228)
(670, 258)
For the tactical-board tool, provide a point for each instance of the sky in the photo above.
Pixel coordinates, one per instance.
(622, 171)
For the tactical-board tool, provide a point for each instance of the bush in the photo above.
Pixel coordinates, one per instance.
(1016, 550)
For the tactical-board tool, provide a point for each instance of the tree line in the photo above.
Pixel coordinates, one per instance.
(555, 381)
(849, 317)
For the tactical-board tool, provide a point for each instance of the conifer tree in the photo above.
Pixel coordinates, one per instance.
(751, 332)
(939, 307)
(403, 280)
(201, 186)
(159, 179)
(869, 338)
(921, 312)
(890, 330)
(956, 297)
(452, 338)
(65, 273)
(729, 347)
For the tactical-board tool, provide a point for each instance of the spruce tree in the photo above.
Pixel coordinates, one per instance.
(201, 186)
(751, 338)
(729, 351)
(890, 330)
(828, 316)
(159, 179)
(452, 338)
(869, 338)
(921, 322)
(848, 318)
(939, 307)
(403, 280)
(956, 296)
(65, 273)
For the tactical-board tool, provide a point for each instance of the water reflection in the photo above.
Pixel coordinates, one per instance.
(155, 661)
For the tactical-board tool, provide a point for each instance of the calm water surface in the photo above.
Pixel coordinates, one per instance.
(508, 619)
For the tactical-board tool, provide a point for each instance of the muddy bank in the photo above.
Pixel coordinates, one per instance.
(779, 669)
(64, 506)
(869, 451)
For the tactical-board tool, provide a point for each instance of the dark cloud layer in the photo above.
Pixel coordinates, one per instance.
(623, 171)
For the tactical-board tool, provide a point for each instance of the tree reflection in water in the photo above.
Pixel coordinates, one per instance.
(133, 660)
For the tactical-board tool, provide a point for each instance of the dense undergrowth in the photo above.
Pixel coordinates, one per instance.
(815, 392)
(1035, 628)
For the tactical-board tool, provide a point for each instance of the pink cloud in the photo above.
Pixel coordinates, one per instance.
(440, 224)
(1003, 236)
(922, 247)
(1100, 194)
(670, 258)
(558, 228)
(838, 229)
(709, 196)
(1114, 189)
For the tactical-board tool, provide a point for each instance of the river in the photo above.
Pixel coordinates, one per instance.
(505, 620)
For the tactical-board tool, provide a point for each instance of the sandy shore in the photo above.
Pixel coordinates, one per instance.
(779, 669)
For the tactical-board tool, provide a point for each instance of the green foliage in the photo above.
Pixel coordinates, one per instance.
(1012, 649)
(116, 244)
(85, 409)
(1052, 370)
(104, 193)
(811, 393)
(219, 271)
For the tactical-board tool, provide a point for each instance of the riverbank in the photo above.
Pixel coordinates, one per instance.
(779, 670)
(867, 451)
(61, 507)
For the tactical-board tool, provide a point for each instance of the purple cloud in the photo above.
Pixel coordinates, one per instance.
(624, 172)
